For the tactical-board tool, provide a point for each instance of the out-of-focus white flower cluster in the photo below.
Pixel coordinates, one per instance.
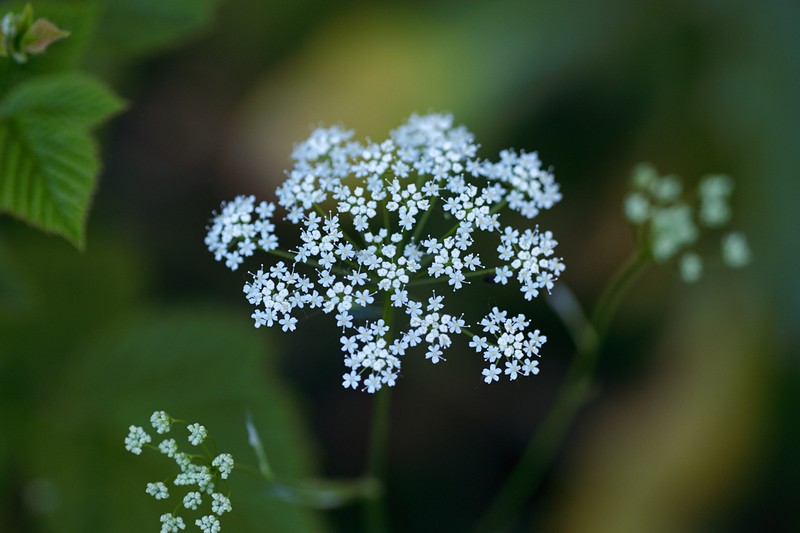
(365, 212)
(672, 225)
(200, 472)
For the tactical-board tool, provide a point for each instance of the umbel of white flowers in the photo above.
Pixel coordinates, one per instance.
(365, 210)
(200, 473)
(672, 224)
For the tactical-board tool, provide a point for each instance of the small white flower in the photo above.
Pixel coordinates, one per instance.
(168, 447)
(502, 275)
(192, 500)
(530, 366)
(672, 229)
(691, 267)
(735, 250)
(220, 504)
(157, 490)
(351, 379)
(137, 437)
(171, 523)
(637, 207)
(208, 524)
(197, 434)
(715, 212)
(512, 370)
(716, 186)
(372, 383)
(491, 374)
(224, 463)
(161, 422)
(183, 460)
(479, 343)
(666, 189)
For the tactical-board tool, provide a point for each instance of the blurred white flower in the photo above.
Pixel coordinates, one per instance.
(672, 225)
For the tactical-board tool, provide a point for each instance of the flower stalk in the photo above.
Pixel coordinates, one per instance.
(573, 394)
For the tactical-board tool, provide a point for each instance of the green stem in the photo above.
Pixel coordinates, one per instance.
(442, 279)
(346, 235)
(498, 207)
(610, 297)
(423, 220)
(375, 509)
(494, 210)
(574, 393)
(288, 255)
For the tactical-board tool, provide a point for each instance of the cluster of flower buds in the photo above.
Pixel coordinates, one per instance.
(202, 475)
(672, 224)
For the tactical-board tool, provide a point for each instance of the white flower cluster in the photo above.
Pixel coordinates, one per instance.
(224, 464)
(518, 351)
(672, 225)
(239, 229)
(197, 434)
(157, 490)
(136, 439)
(366, 213)
(171, 523)
(201, 473)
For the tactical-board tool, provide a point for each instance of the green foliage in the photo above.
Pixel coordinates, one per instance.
(48, 159)
(135, 27)
(108, 360)
(193, 364)
(20, 35)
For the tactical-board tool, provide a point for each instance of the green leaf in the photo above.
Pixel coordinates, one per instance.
(48, 159)
(80, 18)
(41, 35)
(20, 35)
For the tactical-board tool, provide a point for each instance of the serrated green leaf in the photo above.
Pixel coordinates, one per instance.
(48, 159)
(70, 97)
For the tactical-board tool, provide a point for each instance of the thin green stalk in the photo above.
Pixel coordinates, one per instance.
(375, 508)
(442, 279)
(386, 222)
(423, 220)
(498, 207)
(288, 255)
(494, 210)
(451, 231)
(346, 235)
(284, 254)
(610, 297)
(573, 394)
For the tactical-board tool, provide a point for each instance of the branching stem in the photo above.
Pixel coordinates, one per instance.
(576, 390)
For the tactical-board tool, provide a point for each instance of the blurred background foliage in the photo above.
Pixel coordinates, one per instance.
(694, 426)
